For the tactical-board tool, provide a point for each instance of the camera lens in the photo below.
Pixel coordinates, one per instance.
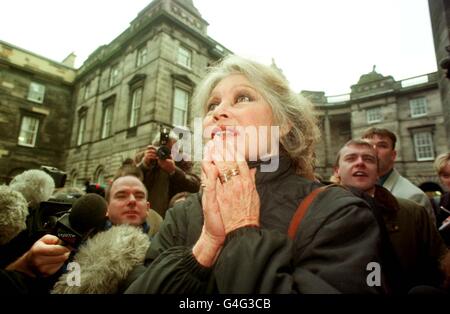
(163, 152)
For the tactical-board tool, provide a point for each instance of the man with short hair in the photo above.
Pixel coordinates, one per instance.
(127, 201)
(384, 142)
(127, 204)
(416, 242)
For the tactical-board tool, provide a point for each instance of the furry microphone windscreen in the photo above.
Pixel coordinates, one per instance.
(105, 261)
(35, 185)
(13, 214)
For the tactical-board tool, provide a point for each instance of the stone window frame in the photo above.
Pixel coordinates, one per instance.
(81, 127)
(176, 107)
(135, 84)
(414, 104)
(184, 56)
(87, 90)
(36, 92)
(374, 115)
(113, 75)
(27, 114)
(100, 171)
(428, 132)
(141, 55)
(108, 107)
(182, 82)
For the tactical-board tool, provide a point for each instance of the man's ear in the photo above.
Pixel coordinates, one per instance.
(394, 154)
(336, 171)
(148, 206)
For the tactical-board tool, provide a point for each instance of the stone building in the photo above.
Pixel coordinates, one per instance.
(411, 108)
(440, 25)
(35, 110)
(143, 79)
(87, 121)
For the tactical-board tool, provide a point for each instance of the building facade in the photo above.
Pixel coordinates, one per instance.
(35, 110)
(440, 25)
(143, 79)
(410, 108)
(87, 121)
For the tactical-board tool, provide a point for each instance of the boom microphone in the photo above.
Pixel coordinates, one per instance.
(35, 185)
(87, 215)
(106, 260)
(13, 214)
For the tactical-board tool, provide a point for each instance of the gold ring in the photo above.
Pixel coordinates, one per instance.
(226, 176)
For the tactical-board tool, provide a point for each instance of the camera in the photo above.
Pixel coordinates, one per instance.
(44, 220)
(164, 151)
(58, 176)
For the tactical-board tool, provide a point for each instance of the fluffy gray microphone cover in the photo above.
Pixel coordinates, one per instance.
(13, 214)
(105, 261)
(35, 185)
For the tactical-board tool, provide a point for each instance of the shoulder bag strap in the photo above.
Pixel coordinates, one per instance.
(302, 209)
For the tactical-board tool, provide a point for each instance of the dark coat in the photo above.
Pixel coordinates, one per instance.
(415, 238)
(162, 186)
(337, 239)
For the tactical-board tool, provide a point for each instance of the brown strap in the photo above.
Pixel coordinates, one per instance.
(302, 209)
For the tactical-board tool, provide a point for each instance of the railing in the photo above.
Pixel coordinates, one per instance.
(338, 98)
(414, 81)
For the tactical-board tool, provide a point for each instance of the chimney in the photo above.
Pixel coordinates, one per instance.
(70, 60)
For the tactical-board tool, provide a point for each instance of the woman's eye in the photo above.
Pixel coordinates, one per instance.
(211, 107)
(243, 99)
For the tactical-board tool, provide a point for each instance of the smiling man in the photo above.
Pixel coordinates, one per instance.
(418, 246)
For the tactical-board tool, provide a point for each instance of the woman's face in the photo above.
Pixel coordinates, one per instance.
(444, 175)
(236, 111)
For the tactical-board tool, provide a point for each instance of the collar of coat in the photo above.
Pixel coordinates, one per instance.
(386, 198)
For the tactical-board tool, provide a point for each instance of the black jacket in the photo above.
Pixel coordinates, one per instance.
(337, 239)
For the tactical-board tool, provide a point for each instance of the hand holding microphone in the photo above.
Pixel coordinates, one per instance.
(45, 258)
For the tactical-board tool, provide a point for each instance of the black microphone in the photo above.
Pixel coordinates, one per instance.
(87, 216)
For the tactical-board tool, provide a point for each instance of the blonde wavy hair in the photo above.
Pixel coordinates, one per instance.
(441, 161)
(293, 113)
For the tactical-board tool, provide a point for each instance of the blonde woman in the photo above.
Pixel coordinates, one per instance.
(232, 236)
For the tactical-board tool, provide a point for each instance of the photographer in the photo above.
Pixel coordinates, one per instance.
(163, 177)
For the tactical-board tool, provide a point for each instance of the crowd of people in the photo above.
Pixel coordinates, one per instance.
(238, 228)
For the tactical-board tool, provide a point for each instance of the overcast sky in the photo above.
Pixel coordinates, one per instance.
(319, 44)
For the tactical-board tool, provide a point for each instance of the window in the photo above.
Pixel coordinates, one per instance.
(374, 115)
(136, 100)
(423, 144)
(36, 92)
(81, 129)
(87, 90)
(107, 121)
(100, 176)
(418, 107)
(73, 180)
(114, 75)
(181, 101)
(28, 131)
(141, 57)
(184, 57)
